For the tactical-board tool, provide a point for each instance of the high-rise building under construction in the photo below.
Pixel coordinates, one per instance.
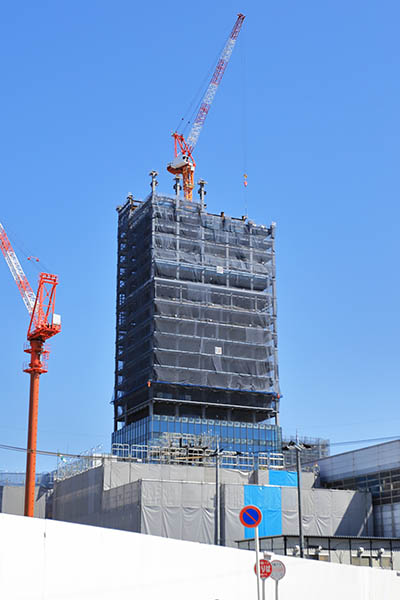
(196, 339)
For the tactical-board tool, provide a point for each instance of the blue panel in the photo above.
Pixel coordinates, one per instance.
(286, 478)
(269, 501)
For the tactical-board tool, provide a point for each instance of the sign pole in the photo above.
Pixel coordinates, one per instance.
(263, 589)
(278, 572)
(257, 543)
(251, 516)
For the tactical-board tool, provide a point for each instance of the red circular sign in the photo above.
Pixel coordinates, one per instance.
(250, 516)
(265, 568)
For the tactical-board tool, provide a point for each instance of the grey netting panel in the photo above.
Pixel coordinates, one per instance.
(203, 345)
(195, 299)
(213, 331)
(234, 381)
(211, 362)
(205, 313)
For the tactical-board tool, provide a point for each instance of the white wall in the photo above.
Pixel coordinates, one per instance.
(51, 560)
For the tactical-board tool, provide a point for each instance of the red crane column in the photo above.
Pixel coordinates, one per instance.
(35, 370)
(44, 323)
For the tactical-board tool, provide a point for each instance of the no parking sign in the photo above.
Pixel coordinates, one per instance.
(250, 516)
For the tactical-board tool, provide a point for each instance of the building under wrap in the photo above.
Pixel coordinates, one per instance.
(180, 502)
(196, 340)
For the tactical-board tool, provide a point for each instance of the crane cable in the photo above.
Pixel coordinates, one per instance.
(17, 243)
(244, 121)
(197, 98)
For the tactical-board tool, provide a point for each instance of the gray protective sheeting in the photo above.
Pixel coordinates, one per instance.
(168, 501)
(12, 499)
(232, 501)
(178, 510)
(118, 473)
(327, 512)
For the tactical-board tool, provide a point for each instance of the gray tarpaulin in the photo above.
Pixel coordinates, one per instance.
(232, 501)
(327, 512)
(12, 500)
(122, 505)
(178, 510)
(118, 473)
(78, 499)
(156, 499)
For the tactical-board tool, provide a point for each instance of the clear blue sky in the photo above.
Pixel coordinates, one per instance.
(90, 94)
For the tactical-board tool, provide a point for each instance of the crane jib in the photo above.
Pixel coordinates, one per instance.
(214, 83)
(184, 148)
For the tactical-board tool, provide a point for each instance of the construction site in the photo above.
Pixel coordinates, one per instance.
(196, 325)
(196, 437)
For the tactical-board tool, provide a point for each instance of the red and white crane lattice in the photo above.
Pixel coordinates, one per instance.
(43, 324)
(184, 163)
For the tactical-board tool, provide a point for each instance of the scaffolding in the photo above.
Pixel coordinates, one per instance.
(316, 448)
(196, 315)
(185, 455)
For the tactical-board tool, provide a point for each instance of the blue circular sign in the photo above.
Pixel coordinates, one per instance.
(250, 516)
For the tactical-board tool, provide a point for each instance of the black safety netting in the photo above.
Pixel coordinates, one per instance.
(196, 299)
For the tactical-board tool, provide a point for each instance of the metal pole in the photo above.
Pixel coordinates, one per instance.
(217, 500)
(301, 537)
(154, 182)
(257, 542)
(32, 443)
(276, 589)
(263, 589)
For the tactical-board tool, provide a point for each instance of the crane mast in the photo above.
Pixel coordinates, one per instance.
(184, 163)
(43, 324)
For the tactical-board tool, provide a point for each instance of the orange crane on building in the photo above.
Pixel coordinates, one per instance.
(43, 324)
(184, 163)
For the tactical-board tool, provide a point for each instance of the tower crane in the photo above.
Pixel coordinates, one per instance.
(43, 324)
(184, 163)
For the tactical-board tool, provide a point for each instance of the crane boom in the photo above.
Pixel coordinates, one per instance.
(28, 295)
(17, 271)
(184, 163)
(194, 134)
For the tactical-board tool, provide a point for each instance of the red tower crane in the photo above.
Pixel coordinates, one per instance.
(184, 163)
(43, 324)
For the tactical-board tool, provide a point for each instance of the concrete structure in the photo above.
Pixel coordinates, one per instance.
(196, 337)
(181, 502)
(49, 560)
(375, 469)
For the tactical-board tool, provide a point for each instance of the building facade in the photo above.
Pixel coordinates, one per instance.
(196, 339)
(375, 469)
